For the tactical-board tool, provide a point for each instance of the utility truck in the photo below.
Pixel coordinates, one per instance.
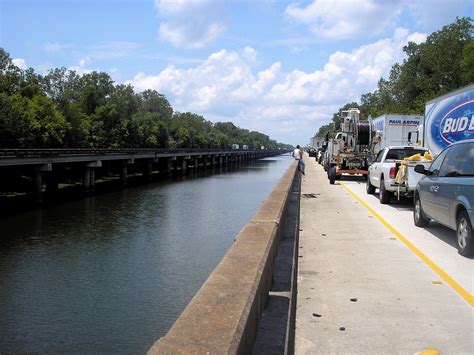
(347, 152)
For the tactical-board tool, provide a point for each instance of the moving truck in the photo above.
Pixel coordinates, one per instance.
(448, 119)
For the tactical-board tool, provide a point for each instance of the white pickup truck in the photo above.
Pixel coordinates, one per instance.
(383, 170)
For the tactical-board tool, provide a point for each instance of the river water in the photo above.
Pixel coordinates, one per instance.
(111, 273)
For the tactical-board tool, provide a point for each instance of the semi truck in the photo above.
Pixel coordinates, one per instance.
(316, 142)
(448, 119)
(395, 130)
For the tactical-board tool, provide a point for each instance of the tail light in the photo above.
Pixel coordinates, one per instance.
(392, 173)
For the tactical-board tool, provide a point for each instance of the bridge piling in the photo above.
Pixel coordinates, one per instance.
(124, 173)
(147, 170)
(38, 186)
(183, 165)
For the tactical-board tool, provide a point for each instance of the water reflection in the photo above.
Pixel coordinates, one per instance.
(111, 273)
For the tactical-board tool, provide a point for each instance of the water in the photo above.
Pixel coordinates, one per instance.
(111, 273)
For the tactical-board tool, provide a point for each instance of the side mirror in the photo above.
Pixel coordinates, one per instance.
(420, 169)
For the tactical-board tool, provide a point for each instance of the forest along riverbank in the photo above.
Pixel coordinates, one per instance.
(111, 273)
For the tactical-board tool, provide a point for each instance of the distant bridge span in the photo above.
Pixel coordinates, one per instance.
(49, 165)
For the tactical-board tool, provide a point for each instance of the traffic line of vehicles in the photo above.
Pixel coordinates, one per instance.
(395, 155)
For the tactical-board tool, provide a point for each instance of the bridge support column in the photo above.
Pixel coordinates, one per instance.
(124, 174)
(87, 179)
(92, 180)
(147, 171)
(174, 165)
(196, 163)
(38, 186)
(183, 166)
(39, 170)
(124, 171)
(89, 176)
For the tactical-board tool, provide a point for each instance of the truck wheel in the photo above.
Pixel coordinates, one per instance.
(418, 215)
(369, 187)
(384, 195)
(338, 176)
(464, 235)
(332, 175)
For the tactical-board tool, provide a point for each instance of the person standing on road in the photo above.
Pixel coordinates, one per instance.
(298, 155)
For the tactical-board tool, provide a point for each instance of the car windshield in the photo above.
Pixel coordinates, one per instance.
(402, 153)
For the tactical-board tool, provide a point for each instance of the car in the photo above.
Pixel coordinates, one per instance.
(446, 193)
(312, 152)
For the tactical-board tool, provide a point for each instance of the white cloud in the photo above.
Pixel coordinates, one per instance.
(190, 34)
(82, 67)
(189, 23)
(345, 19)
(20, 63)
(176, 6)
(228, 86)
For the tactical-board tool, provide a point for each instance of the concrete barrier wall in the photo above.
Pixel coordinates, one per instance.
(223, 316)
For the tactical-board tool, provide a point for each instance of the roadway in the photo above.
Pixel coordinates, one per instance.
(371, 282)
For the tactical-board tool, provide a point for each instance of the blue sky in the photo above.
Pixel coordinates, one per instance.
(279, 67)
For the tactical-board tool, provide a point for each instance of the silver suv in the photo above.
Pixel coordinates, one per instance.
(446, 193)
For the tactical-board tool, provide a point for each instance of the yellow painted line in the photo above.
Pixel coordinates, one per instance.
(454, 285)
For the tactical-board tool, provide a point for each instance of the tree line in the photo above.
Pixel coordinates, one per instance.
(64, 109)
(445, 62)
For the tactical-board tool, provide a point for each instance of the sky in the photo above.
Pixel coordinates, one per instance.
(278, 67)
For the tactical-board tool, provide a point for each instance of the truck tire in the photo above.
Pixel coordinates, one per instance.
(332, 175)
(464, 234)
(418, 215)
(369, 187)
(384, 195)
(338, 176)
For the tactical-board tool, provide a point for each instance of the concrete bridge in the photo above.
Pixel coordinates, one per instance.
(48, 165)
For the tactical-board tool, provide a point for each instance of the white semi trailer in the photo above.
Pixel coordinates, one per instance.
(395, 130)
(448, 119)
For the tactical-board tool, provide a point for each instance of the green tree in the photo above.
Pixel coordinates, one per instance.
(467, 63)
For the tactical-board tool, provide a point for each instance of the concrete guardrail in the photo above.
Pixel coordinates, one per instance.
(223, 316)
